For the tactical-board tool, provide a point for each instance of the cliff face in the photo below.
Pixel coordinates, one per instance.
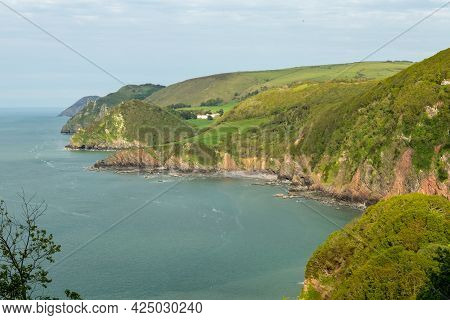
(130, 125)
(297, 170)
(78, 106)
(94, 110)
(353, 139)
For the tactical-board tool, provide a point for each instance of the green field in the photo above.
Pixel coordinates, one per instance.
(229, 87)
(220, 131)
(203, 123)
(200, 123)
(225, 107)
(238, 85)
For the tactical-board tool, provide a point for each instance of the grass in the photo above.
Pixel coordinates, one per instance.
(225, 107)
(133, 121)
(220, 132)
(90, 113)
(213, 134)
(231, 86)
(203, 123)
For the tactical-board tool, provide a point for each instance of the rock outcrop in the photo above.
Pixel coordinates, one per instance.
(359, 189)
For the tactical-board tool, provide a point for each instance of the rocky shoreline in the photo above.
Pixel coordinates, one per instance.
(87, 148)
(361, 190)
(293, 190)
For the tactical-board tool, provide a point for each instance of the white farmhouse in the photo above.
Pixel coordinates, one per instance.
(205, 116)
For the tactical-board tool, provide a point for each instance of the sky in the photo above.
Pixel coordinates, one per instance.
(166, 41)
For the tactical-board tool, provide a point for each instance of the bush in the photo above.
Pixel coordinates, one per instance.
(393, 251)
(178, 106)
(212, 102)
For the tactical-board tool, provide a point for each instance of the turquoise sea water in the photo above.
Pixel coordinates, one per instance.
(202, 238)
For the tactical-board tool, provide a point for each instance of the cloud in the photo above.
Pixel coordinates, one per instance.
(170, 40)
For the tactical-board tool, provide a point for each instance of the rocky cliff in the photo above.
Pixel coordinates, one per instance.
(295, 170)
(362, 140)
(95, 110)
(78, 106)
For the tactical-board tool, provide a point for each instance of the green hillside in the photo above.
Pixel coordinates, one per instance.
(398, 249)
(131, 124)
(270, 112)
(238, 85)
(95, 110)
(408, 112)
(350, 137)
(357, 139)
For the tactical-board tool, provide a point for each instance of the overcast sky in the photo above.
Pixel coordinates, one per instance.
(142, 41)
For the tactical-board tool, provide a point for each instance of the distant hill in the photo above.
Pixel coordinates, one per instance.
(231, 86)
(239, 85)
(94, 110)
(77, 106)
(130, 124)
(398, 249)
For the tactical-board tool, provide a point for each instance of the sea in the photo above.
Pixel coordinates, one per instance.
(135, 236)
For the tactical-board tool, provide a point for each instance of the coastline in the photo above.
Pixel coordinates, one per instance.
(292, 190)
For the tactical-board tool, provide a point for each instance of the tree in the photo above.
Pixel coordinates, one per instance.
(178, 106)
(212, 102)
(25, 251)
(187, 114)
(210, 117)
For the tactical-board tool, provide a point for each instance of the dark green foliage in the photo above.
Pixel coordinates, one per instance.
(388, 253)
(72, 295)
(212, 102)
(438, 284)
(248, 95)
(185, 114)
(178, 106)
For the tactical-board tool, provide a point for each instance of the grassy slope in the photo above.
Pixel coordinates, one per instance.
(230, 86)
(342, 127)
(275, 113)
(370, 128)
(132, 123)
(202, 123)
(346, 136)
(386, 254)
(94, 111)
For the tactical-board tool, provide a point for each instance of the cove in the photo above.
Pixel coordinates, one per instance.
(182, 238)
